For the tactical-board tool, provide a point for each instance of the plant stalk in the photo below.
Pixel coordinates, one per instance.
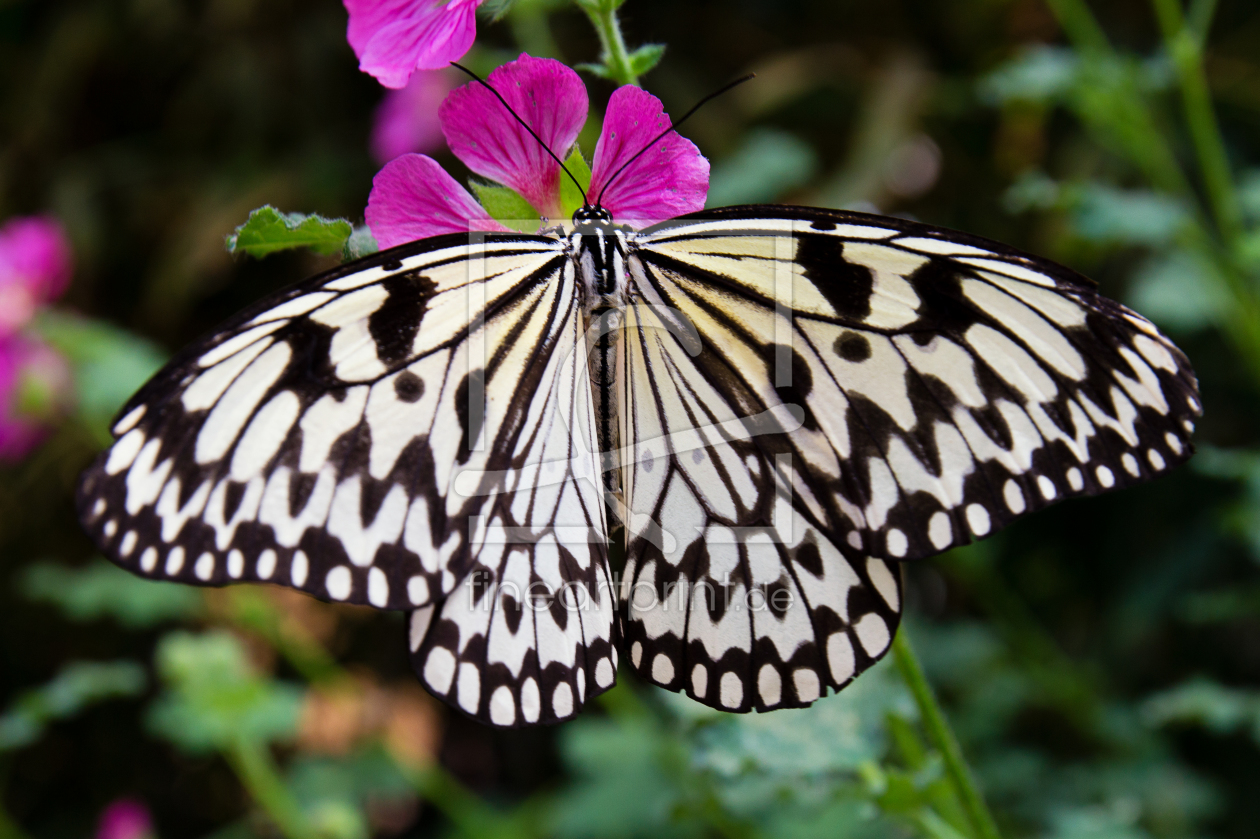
(615, 56)
(938, 729)
(258, 773)
(1187, 55)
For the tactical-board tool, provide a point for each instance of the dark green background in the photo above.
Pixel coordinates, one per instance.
(152, 128)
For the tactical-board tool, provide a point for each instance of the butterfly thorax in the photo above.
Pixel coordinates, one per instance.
(601, 250)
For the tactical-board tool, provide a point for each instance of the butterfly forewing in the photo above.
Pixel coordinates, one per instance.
(949, 385)
(353, 438)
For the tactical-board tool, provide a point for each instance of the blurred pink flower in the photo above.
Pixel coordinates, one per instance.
(35, 265)
(125, 818)
(407, 119)
(34, 387)
(412, 197)
(394, 38)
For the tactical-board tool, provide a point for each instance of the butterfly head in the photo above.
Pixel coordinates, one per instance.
(589, 217)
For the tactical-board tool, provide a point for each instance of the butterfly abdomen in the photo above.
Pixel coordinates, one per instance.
(605, 331)
(601, 258)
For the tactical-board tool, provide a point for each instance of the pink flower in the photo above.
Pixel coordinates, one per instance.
(412, 197)
(394, 38)
(35, 265)
(34, 386)
(125, 818)
(406, 120)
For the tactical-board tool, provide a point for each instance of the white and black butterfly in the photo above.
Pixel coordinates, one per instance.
(777, 404)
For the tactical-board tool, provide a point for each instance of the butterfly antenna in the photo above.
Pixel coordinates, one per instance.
(524, 125)
(674, 127)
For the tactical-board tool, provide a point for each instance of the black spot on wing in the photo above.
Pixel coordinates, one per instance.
(408, 387)
(470, 408)
(942, 305)
(853, 346)
(394, 325)
(808, 557)
(792, 380)
(846, 286)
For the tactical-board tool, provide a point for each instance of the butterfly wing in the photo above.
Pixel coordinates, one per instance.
(531, 632)
(942, 385)
(733, 591)
(353, 437)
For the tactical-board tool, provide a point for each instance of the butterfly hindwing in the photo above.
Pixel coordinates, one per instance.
(530, 632)
(733, 591)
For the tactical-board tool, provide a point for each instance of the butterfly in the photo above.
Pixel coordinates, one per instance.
(768, 407)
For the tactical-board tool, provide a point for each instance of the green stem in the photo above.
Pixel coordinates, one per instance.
(614, 56)
(1079, 23)
(467, 813)
(1128, 122)
(252, 763)
(943, 738)
(1187, 55)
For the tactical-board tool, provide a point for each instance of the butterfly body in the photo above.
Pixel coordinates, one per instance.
(778, 404)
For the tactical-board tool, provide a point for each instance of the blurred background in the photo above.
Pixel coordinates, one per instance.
(1099, 661)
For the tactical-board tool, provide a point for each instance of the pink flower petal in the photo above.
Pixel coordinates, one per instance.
(125, 818)
(406, 120)
(669, 179)
(35, 254)
(394, 38)
(21, 357)
(413, 198)
(549, 97)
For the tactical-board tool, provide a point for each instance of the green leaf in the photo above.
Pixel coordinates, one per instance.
(78, 685)
(1179, 290)
(268, 230)
(350, 782)
(786, 743)
(571, 199)
(1104, 214)
(1115, 822)
(507, 207)
(1039, 74)
(109, 365)
(214, 698)
(1249, 193)
(361, 243)
(103, 590)
(646, 57)
(1217, 708)
(601, 70)
(633, 795)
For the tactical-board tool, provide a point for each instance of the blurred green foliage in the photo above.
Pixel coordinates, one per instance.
(102, 589)
(78, 685)
(1100, 662)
